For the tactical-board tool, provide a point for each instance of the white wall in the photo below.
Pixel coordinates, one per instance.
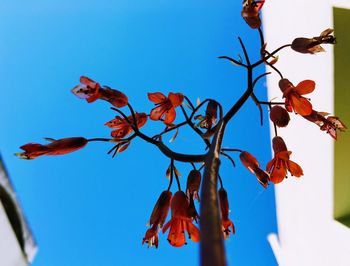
(10, 251)
(308, 234)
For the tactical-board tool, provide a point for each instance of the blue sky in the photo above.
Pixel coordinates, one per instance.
(86, 208)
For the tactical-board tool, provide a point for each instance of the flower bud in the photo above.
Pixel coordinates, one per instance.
(278, 145)
(285, 85)
(279, 116)
(193, 182)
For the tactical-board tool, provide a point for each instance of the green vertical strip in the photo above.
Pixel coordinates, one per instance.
(342, 109)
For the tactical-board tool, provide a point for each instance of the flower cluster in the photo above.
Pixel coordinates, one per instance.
(126, 127)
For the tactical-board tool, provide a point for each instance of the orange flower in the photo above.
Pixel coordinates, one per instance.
(165, 106)
(250, 12)
(122, 127)
(180, 222)
(327, 123)
(56, 147)
(294, 100)
(279, 165)
(253, 166)
(158, 216)
(91, 91)
(312, 45)
(226, 222)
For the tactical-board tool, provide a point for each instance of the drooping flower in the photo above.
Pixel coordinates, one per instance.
(55, 147)
(279, 116)
(122, 127)
(91, 91)
(193, 183)
(292, 94)
(327, 123)
(209, 119)
(250, 12)
(165, 106)
(157, 219)
(224, 207)
(253, 166)
(192, 190)
(180, 222)
(313, 45)
(281, 163)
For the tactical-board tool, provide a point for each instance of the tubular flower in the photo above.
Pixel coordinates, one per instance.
(294, 100)
(55, 147)
(327, 123)
(253, 166)
(210, 117)
(226, 222)
(158, 216)
(91, 91)
(180, 222)
(313, 45)
(279, 116)
(279, 165)
(122, 127)
(114, 97)
(250, 12)
(165, 106)
(193, 183)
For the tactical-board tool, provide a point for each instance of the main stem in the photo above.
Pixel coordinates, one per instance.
(212, 250)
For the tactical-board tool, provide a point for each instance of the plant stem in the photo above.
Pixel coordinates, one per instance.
(212, 250)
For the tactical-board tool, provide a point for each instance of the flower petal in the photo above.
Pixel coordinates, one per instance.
(170, 116)
(305, 87)
(301, 105)
(158, 112)
(294, 169)
(279, 172)
(89, 82)
(156, 97)
(176, 98)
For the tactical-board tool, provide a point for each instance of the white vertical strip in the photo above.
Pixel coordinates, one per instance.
(308, 235)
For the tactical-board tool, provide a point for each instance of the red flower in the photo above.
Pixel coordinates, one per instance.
(279, 165)
(158, 216)
(165, 106)
(226, 222)
(327, 123)
(294, 100)
(91, 91)
(250, 12)
(253, 166)
(312, 45)
(56, 147)
(122, 127)
(180, 222)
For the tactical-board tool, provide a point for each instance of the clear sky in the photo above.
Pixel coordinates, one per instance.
(86, 208)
